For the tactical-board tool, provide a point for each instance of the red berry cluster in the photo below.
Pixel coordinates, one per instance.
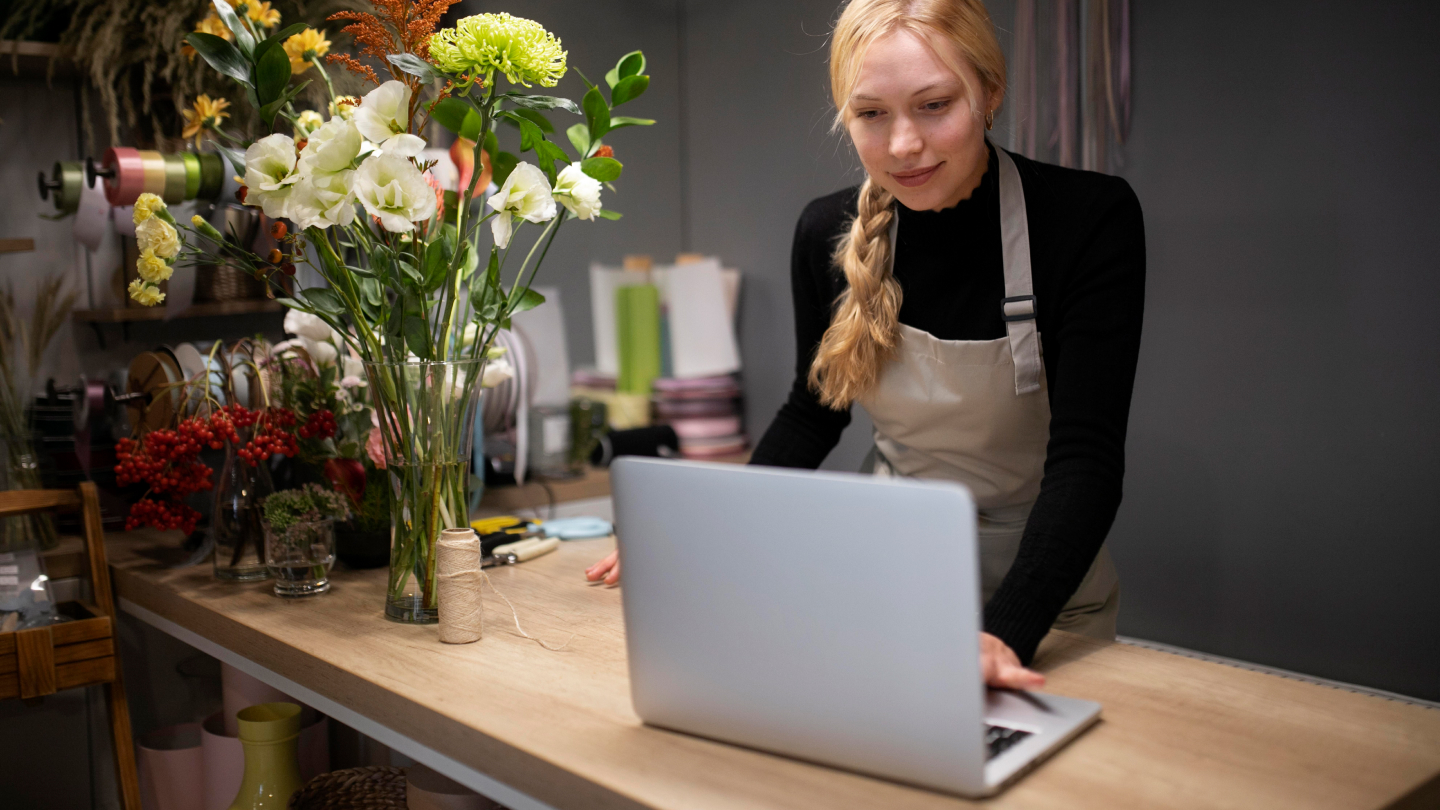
(272, 435)
(320, 425)
(162, 515)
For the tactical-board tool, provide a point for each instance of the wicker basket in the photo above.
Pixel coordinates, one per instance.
(373, 787)
(226, 283)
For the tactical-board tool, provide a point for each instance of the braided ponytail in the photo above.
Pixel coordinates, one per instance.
(864, 332)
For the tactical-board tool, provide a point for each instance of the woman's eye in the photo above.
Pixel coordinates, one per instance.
(869, 115)
(936, 106)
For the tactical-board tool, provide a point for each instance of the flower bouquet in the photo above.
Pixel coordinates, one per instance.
(408, 284)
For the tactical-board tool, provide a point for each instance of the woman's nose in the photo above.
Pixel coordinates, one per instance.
(905, 138)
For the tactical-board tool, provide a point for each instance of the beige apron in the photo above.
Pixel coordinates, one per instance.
(977, 412)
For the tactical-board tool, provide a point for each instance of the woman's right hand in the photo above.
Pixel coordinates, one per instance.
(608, 569)
(1001, 666)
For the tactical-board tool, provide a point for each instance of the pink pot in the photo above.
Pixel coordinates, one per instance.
(224, 757)
(169, 761)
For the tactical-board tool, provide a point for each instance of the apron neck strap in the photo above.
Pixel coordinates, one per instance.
(1018, 308)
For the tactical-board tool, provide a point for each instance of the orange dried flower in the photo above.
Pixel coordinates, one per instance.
(397, 26)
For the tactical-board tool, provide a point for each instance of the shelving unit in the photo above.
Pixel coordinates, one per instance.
(131, 314)
(31, 60)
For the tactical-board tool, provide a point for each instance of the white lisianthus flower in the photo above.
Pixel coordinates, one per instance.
(305, 325)
(526, 194)
(384, 117)
(323, 199)
(331, 148)
(270, 174)
(321, 351)
(496, 372)
(394, 191)
(353, 369)
(307, 122)
(155, 234)
(578, 192)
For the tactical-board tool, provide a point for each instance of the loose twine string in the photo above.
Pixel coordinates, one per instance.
(459, 574)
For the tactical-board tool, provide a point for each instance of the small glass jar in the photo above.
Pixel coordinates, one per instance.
(299, 557)
(237, 522)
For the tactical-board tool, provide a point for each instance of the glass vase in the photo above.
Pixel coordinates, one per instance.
(426, 412)
(237, 523)
(299, 557)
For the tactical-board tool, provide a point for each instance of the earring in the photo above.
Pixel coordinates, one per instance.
(989, 119)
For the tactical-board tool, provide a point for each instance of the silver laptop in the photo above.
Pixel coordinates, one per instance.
(826, 616)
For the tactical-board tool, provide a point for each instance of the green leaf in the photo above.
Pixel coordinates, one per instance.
(450, 113)
(502, 164)
(611, 215)
(362, 272)
(542, 102)
(631, 64)
(628, 89)
(529, 299)
(325, 300)
(537, 119)
(597, 114)
(486, 295)
(626, 121)
(579, 135)
(221, 55)
(269, 111)
(410, 271)
(272, 73)
(417, 336)
(293, 304)
(372, 292)
(603, 169)
(415, 66)
(549, 152)
(277, 39)
(243, 39)
(235, 156)
(436, 263)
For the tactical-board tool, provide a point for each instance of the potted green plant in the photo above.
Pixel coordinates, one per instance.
(300, 538)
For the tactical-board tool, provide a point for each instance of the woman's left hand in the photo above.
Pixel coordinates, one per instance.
(1001, 666)
(607, 569)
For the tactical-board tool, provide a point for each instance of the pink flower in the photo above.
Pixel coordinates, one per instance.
(375, 448)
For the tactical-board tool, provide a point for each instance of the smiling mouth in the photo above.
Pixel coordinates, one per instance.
(916, 177)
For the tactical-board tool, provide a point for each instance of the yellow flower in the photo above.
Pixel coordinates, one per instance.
(152, 268)
(484, 43)
(307, 122)
(206, 114)
(144, 294)
(146, 205)
(158, 235)
(210, 25)
(263, 14)
(304, 48)
(344, 107)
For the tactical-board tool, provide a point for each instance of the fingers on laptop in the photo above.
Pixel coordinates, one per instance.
(608, 569)
(1001, 667)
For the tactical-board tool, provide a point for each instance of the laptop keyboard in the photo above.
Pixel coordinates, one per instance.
(999, 738)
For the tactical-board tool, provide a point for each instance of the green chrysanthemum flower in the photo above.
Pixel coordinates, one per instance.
(484, 43)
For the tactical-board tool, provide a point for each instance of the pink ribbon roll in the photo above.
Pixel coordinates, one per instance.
(128, 179)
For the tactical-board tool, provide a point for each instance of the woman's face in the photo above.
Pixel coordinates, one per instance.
(918, 129)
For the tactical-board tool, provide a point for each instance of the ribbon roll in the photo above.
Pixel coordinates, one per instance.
(63, 186)
(192, 174)
(175, 177)
(154, 173)
(124, 174)
(212, 175)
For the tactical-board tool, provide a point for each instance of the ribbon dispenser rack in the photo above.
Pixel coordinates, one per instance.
(64, 185)
(127, 173)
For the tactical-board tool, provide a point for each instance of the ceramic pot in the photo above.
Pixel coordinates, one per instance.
(224, 757)
(170, 765)
(270, 734)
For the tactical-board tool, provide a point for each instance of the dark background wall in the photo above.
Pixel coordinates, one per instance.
(1284, 448)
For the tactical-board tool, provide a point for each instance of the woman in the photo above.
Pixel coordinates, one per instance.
(984, 310)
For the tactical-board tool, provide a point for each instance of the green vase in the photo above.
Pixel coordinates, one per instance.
(270, 735)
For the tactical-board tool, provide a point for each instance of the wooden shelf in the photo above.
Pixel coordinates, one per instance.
(131, 314)
(34, 60)
(16, 245)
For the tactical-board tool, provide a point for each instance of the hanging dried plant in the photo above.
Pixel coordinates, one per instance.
(130, 52)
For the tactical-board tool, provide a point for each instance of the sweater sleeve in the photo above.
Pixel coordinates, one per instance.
(1091, 353)
(804, 431)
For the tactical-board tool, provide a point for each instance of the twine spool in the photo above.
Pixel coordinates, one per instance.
(457, 564)
(153, 171)
(128, 180)
(212, 175)
(175, 179)
(192, 174)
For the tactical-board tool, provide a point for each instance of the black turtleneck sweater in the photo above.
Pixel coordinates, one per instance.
(1087, 248)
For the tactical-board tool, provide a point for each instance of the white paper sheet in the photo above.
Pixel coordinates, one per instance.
(604, 281)
(702, 331)
(544, 331)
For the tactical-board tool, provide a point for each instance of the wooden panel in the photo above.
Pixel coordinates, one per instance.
(22, 501)
(1176, 733)
(9, 663)
(71, 653)
(23, 245)
(9, 686)
(36, 654)
(85, 673)
(82, 630)
(95, 545)
(67, 559)
(7, 643)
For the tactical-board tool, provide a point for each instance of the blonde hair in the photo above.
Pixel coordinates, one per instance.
(864, 331)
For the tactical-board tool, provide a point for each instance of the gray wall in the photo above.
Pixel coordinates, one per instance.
(1283, 442)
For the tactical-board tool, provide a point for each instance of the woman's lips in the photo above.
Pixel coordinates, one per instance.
(915, 177)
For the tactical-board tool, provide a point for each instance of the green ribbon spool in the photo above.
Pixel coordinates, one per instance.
(192, 174)
(174, 179)
(70, 174)
(212, 175)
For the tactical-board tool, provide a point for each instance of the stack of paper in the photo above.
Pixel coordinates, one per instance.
(704, 412)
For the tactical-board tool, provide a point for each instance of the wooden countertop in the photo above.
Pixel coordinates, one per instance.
(1176, 732)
